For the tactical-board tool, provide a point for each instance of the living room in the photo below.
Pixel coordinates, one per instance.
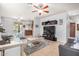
(38, 29)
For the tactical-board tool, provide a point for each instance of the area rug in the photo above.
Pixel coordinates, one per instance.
(31, 49)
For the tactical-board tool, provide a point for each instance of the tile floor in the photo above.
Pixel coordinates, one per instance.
(50, 50)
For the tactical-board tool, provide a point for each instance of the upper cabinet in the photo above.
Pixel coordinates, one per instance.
(13, 51)
(53, 22)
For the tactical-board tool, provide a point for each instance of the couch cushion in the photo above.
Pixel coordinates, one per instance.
(67, 51)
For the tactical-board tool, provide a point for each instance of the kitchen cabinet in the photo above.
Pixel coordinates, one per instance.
(0, 53)
(13, 51)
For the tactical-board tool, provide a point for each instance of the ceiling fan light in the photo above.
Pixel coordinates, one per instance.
(40, 11)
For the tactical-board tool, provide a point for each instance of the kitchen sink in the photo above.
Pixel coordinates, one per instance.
(4, 42)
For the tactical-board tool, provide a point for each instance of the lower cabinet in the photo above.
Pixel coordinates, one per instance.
(0, 53)
(15, 51)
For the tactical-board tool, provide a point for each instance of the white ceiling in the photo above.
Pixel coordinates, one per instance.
(24, 10)
(63, 7)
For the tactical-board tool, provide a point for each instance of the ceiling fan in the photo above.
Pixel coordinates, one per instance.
(40, 8)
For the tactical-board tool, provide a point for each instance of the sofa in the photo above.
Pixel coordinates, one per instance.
(66, 50)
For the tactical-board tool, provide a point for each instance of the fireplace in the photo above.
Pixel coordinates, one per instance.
(49, 33)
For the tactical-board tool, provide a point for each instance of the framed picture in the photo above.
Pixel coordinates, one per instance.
(60, 21)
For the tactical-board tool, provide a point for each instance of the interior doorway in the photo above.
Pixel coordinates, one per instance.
(72, 30)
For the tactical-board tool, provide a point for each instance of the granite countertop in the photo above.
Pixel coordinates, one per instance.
(12, 44)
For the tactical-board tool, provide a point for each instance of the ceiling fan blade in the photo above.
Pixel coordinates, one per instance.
(45, 7)
(46, 11)
(35, 6)
(34, 11)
